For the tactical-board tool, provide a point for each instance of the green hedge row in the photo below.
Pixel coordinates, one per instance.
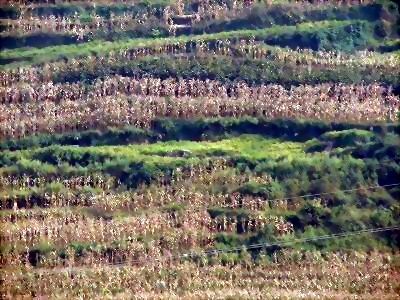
(195, 129)
(37, 40)
(228, 69)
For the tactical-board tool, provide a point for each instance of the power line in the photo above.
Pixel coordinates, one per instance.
(199, 208)
(264, 245)
(277, 244)
(195, 208)
(311, 239)
(234, 249)
(290, 242)
(335, 192)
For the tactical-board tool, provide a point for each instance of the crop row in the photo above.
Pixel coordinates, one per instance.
(198, 173)
(152, 233)
(289, 274)
(114, 251)
(78, 228)
(23, 182)
(30, 21)
(323, 102)
(70, 25)
(171, 87)
(275, 35)
(155, 235)
(191, 187)
(30, 84)
(242, 48)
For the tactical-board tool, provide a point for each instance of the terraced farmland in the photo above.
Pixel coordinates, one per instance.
(199, 149)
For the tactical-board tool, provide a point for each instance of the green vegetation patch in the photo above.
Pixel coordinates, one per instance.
(248, 146)
(254, 146)
(227, 69)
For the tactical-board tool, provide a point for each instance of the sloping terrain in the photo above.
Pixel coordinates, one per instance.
(199, 149)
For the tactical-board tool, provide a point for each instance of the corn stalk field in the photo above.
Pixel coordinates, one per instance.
(199, 149)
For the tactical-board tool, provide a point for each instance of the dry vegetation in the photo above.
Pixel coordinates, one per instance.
(199, 150)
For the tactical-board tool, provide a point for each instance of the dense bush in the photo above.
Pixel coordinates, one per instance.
(359, 143)
(111, 136)
(203, 129)
(273, 190)
(38, 40)
(56, 155)
(341, 38)
(9, 12)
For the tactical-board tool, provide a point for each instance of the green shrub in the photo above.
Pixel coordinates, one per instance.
(273, 190)
(34, 168)
(37, 252)
(350, 137)
(383, 218)
(311, 215)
